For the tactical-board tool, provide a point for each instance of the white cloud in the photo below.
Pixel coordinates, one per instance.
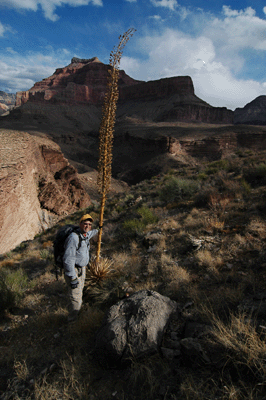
(177, 54)
(171, 4)
(48, 6)
(10, 50)
(131, 1)
(2, 29)
(156, 17)
(22, 72)
(238, 29)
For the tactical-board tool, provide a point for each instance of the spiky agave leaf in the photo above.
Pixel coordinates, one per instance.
(99, 270)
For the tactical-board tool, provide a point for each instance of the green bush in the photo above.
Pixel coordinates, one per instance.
(12, 286)
(245, 185)
(147, 215)
(134, 226)
(216, 166)
(176, 189)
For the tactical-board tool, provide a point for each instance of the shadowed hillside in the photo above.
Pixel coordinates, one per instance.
(195, 234)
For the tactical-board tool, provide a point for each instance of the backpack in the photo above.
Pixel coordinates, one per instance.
(59, 246)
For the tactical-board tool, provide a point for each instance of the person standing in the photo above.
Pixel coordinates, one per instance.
(76, 258)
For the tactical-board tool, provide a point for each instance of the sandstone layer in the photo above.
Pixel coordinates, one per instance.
(37, 186)
(84, 82)
(81, 82)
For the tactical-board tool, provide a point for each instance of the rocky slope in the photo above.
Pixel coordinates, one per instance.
(254, 113)
(38, 185)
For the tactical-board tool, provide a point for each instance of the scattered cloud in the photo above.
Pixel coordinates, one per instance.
(238, 29)
(10, 50)
(175, 53)
(48, 6)
(171, 4)
(131, 1)
(21, 72)
(156, 17)
(2, 30)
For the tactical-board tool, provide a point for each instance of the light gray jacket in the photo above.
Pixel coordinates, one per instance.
(77, 256)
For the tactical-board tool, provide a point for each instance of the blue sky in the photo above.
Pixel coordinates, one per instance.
(220, 44)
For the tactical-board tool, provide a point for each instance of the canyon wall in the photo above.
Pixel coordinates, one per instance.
(81, 82)
(37, 187)
(7, 102)
(84, 82)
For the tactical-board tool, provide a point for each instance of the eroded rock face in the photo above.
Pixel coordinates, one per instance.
(37, 186)
(84, 82)
(254, 113)
(81, 82)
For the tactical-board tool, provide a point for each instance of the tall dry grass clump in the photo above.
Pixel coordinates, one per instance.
(106, 133)
(245, 346)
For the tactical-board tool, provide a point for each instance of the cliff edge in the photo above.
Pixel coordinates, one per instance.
(37, 186)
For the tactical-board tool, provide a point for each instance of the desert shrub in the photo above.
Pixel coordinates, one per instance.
(246, 186)
(256, 176)
(202, 176)
(176, 188)
(147, 215)
(216, 166)
(12, 286)
(133, 226)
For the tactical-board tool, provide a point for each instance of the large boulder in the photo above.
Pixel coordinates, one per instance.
(133, 327)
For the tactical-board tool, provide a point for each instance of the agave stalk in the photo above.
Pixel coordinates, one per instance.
(106, 131)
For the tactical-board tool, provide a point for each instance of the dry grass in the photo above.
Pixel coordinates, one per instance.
(240, 338)
(209, 260)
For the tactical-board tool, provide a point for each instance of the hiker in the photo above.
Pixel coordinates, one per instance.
(75, 259)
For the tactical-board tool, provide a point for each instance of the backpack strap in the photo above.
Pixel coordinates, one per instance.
(79, 236)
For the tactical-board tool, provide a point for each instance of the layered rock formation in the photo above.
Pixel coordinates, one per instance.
(81, 82)
(7, 102)
(37, 186)
(254, 113)
(84, 82)
(143, 150)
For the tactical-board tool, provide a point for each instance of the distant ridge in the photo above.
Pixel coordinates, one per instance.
(254, 113)
(83, 82)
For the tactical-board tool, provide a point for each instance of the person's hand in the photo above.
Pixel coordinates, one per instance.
(74, 283)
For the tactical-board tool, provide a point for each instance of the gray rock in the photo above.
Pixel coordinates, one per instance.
(133, 327)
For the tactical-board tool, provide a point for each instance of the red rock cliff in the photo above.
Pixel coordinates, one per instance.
(84, 82)
(81, 82)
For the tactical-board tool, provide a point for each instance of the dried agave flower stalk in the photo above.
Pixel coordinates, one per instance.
(107, 128)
